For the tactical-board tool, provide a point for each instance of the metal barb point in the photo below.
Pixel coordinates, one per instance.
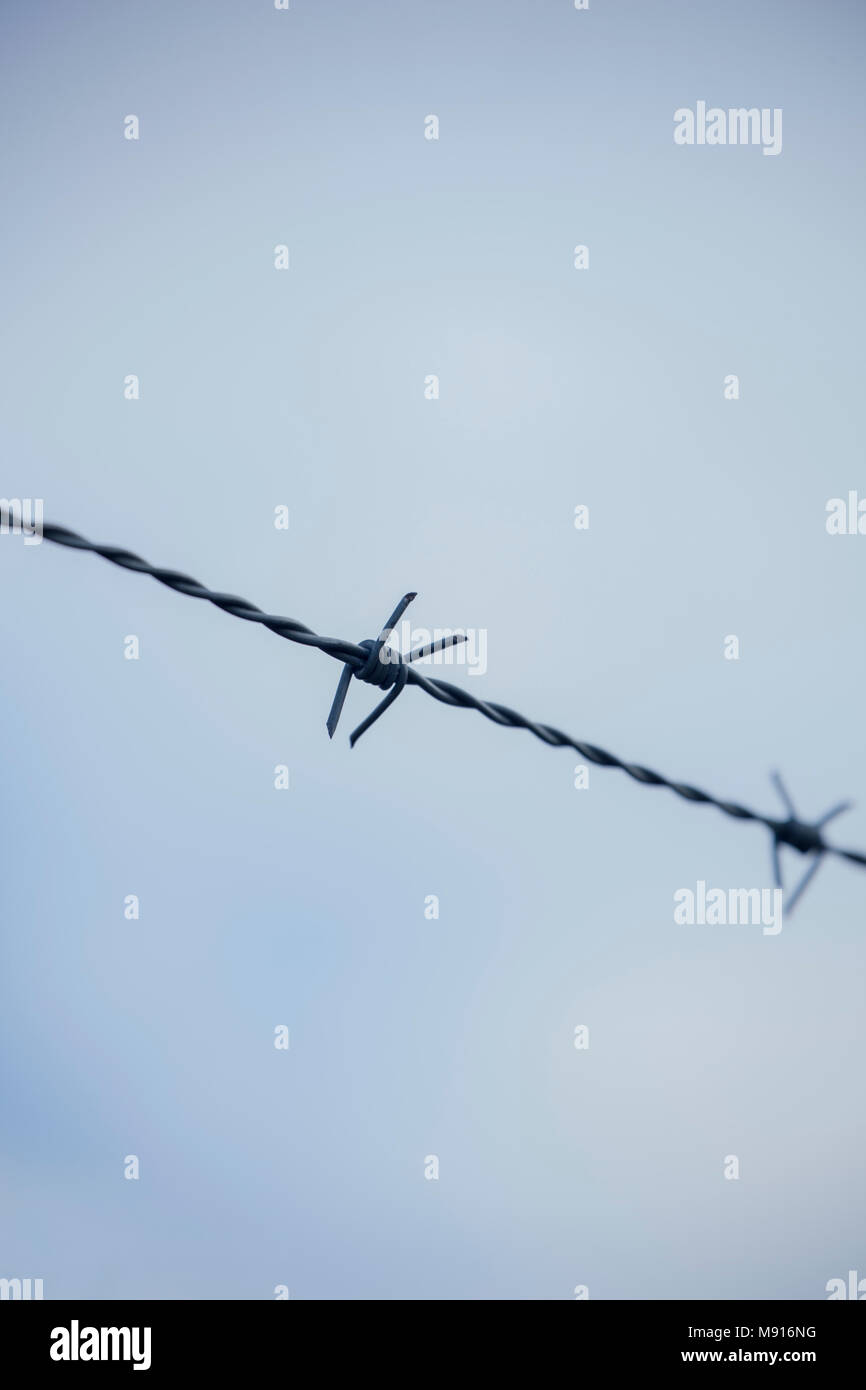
(803, 836)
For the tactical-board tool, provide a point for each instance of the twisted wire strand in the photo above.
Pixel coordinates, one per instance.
(356, 657)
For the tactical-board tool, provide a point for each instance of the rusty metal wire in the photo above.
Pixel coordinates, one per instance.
(374, 663)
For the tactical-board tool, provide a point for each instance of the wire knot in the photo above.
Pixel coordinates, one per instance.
(381, 671)
(384, 668)
(799, 835)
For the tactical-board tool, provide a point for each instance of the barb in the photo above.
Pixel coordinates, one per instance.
(802, 836)
(384, 667)
(368, 663)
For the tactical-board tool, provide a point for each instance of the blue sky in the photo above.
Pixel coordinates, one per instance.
(412, 1037)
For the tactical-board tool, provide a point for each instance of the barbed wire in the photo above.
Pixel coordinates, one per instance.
(373, 662)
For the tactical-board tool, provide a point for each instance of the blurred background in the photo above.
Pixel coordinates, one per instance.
(412, 1037)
